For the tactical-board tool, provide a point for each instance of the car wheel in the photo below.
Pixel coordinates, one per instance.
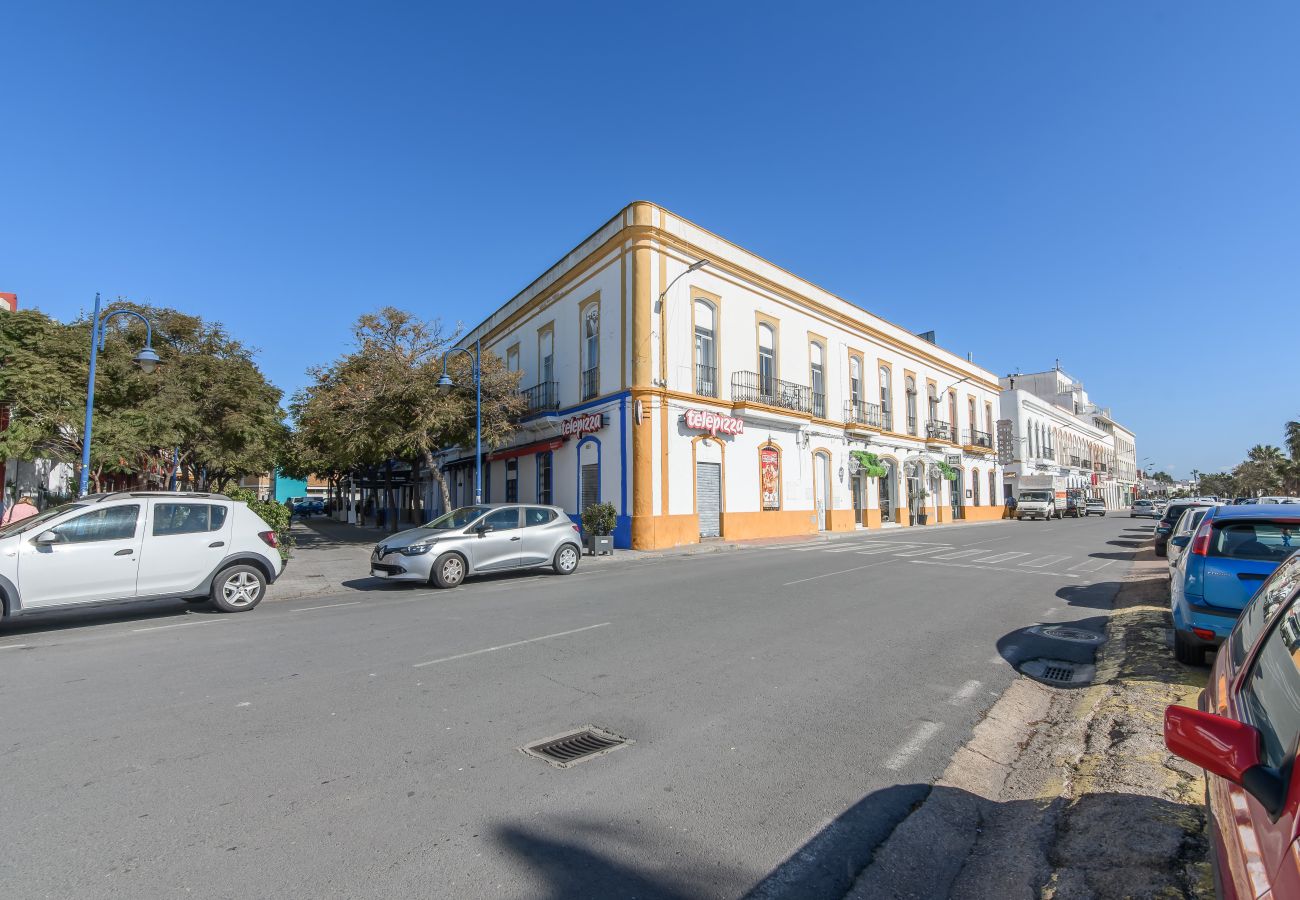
(566, 560)
(237, 589)
(449, 570)
(1187, 650)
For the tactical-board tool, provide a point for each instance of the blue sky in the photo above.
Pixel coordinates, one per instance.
(1113, 184)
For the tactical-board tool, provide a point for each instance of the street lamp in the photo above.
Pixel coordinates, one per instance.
(445, 384)
(146, 359)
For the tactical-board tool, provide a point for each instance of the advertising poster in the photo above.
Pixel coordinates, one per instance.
(769, 474)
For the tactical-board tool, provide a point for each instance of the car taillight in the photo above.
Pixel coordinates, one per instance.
(269, 538)
(1201, 543)
(577, 530)
(1204, 634)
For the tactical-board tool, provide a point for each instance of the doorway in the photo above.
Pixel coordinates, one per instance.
(858, 487)
(708, 498)
(888, 492)
(955, 488)
(822, 487)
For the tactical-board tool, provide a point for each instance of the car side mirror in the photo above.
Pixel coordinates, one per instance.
(47, 537)
(1226, 747)
(483, 529)
(1181, 541)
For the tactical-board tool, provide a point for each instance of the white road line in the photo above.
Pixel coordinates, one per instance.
(841, 572)
(14, 646)
(953, 565)
(841, 549)
(923, 551)
(960, 553)
(1088, 565)
(1001, 557)
(1043, 561)
(177, 625)
(964, 693)
(545, 637)
(924, 734)
(877, 550)
(326, 606)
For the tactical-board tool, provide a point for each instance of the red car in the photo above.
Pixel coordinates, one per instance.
(1245, 736)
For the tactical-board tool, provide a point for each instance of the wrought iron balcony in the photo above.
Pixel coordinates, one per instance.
(937, 430)
(1047, 453)
(1076, 461)
(911, 423)
(706, 380)
(590, 382)
(544, 397)
(977, 438)
(867, 414)
(750, 387)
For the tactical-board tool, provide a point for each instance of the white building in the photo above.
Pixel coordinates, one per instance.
(707, 392)
(1054, 429)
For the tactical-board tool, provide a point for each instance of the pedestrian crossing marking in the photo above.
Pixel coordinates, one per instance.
(1001, 557)
(960, 553)
(923, 551)
(1089, 565)
(1043, 561)
(875, 550)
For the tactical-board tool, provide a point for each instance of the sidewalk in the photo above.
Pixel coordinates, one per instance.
(333, 557)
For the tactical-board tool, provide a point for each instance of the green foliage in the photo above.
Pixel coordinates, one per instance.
(1163, 478)
(947, 471)
(274, 514)
(599, 518)
(871, 465)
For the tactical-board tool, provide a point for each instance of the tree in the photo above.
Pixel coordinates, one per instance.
(381, 401)
(1163, 478)
(1293, 439)
(1218, 484)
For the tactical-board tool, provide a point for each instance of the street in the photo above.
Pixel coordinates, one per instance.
(368, 744)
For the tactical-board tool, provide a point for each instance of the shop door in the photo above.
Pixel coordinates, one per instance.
(822, 487)
(956, 489)
(708, 498)
(859, 498)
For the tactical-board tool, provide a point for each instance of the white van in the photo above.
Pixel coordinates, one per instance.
(145, 545)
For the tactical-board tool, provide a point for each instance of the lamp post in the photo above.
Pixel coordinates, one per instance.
(146, 359)
(445, 384)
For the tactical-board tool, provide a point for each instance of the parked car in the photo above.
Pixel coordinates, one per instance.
(109, 548)
(475, 539)
(308, 506)
(1173, 512)
(1143, 508)
(1271, 500)
(1036, 503)
(1244, 734)
(1182, 534)
(1234, 549)
(1096, 507)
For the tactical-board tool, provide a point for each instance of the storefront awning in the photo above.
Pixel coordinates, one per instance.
(526, 449)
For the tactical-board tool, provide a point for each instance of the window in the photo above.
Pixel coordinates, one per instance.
(932, 402)
(512, 359)
(706, 363)
(952, 414)
(993, 487)
(502, 519)
(1271, 692)
(910, 386)
(766, 360)
(988, 417)
(588, 473)
(546, 355)
(885, 405)
(545, 490)
(817, 372)
(114, 523)
(591, 352)
(187, 518)
(1254, 540)
(975, 487)
(970, 416)
(535, 515)
(512, 480)
(1259, 612)
(855, 381)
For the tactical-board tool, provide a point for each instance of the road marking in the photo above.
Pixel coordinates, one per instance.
(14, 646)
(545, 637)
(1088, 565)
(177, 625)
(1043, 561)
(841, 549)
(931, 562)
(326, 606)
(876, 550)
(1001, 557)
(841, 572)
(924, 734)
(960, 553)
(923, 551)
(964, 693)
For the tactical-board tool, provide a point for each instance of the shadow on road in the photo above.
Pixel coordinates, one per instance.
(1127, 542)
(1128, 556)
(1100, 595)
(84, 617)
(1024, 644)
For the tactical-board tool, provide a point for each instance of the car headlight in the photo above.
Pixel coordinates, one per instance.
(416, 549)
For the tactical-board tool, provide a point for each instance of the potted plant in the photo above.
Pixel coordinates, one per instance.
(922, 516)
(598, 522)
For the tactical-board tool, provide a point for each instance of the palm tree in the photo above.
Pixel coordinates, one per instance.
(1265, 453)
(1293, 438)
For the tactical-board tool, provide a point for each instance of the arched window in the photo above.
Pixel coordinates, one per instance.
(988, 418)
(706, 358)
(591, 352)
(971, 422)
(886, 407)
(932, 403)
(855, 382)
(817, 378)
(767, 361)
(546, 353)
(910, 386)
(975, 487)
(952, 414)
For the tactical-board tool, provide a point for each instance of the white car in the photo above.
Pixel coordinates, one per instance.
(110, 548)
(1143, 508)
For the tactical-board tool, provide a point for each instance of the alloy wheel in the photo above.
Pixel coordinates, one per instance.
(241, 589)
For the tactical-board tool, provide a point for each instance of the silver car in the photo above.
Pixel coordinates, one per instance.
(1143, 508)
(475, 539)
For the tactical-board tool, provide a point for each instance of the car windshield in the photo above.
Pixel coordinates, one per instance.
(457, 518)
(23, 525)
(1036, 495)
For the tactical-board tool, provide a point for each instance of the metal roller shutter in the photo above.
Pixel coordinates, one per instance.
(708, 498)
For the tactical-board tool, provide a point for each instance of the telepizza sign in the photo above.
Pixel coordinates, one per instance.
(580, 425)
(703, 420)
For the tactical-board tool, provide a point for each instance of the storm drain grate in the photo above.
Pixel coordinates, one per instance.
(576, 746)
(1059, 673)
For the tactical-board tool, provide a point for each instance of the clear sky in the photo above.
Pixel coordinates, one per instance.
(1113, 184)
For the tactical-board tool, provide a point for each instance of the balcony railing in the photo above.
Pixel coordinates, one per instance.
(1076, 461)
(977, 438)
(544, 397)
(886, 418)
(937, 430)
(706, 380)
(590, 382)
(1047, 453)
(867, 414)
(911, 423)
(750, 387)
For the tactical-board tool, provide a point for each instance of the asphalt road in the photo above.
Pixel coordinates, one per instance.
(367, 745)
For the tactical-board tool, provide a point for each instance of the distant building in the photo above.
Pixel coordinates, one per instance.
(1055, 430)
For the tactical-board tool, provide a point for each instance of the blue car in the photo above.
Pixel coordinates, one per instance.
(1229, 556)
